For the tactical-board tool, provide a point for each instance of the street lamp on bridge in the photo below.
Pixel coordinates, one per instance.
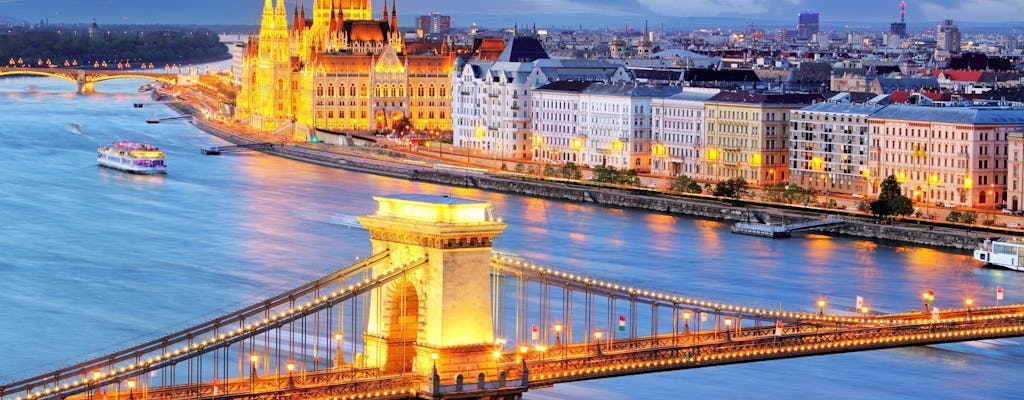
(821, 306)
(291, 371)
(728, 327)
(131, 389)
(597, 338)
(558, 334)
(969, 301)
(686, 321)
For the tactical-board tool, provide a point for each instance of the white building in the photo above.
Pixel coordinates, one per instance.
(556, 122)
(490, 100)
(678, 128)
(615, 124)
(830, 146)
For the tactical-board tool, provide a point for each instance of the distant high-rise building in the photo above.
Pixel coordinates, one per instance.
(947, 37)
(433, 25)
(807, 25)
(900, 28)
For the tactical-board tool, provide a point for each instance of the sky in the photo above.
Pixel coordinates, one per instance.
(545, 13)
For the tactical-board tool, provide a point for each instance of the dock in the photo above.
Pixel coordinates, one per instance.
(212, 151)
(155, 120)
(767, 229)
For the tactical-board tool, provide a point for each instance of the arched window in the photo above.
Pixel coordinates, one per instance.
(362, 90)
(280, 84)
(352, 91)
(392, 92)
(376, 90)
(443, 91)
(330, 90)
(420, 93)
(432, 93)
(319, 90)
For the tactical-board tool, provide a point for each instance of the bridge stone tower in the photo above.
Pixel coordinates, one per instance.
(443, 306)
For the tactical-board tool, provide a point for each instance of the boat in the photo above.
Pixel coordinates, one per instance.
(134, 157)
(1003, 252)
(145, 88)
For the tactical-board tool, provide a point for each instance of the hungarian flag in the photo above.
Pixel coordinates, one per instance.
(622, 323)
(535, 333)
(778, 328)
(860, 302)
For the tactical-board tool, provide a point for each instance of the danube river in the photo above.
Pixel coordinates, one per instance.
(93, 260)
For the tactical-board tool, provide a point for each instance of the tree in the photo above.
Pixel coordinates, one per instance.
(954, 216)
(571, 171)
(684, 184)
(968, 217)
(732, 188)
(891, 201)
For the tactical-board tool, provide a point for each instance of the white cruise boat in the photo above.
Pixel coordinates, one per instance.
(1006, 253)
(127, 156)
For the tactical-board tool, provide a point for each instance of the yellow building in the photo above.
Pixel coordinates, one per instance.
(748, 136)
(342, 71)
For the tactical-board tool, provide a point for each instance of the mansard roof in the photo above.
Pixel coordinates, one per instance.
(523, 49)
(766, 98)
(953, 115)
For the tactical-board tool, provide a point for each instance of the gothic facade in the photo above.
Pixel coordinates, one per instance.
(342, 71)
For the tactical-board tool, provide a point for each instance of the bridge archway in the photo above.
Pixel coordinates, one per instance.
(403, 327)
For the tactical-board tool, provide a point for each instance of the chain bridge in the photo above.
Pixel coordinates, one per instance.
(86, 79)
(435, 313)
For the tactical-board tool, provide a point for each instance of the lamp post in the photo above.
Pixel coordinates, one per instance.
(291, 374)
(339, 356)
(558, 334)
(821, 307)
(929, 298)
(255, 359)
(865, 310)
(728, 327)
(686, 322)
(131, 389)
(597, 336)
(969, 302)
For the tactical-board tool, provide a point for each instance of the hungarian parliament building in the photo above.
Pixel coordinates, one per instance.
(342, 70)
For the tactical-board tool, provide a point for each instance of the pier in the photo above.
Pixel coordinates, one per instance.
(767, 229)
(155, 120)
(261, 146)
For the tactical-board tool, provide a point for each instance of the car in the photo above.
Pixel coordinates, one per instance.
(1007, 211)
(857, 195)
(939, 204)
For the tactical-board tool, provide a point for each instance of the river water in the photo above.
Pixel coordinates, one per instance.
(92, 260)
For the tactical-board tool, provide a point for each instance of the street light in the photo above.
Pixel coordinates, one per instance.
(290, 366)
(686, 322)
(433, 357)
(255, 359)
(597, 335)
(131, 389)
(339, 356)
(864, 310)
(821, 307)
(558, 334)
(728, 326)
(929, 299)
(969, 302)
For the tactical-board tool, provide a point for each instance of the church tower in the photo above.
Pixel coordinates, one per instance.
(267, 71)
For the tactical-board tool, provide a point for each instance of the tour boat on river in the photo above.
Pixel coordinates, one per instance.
(134, 157)
(1003, 252)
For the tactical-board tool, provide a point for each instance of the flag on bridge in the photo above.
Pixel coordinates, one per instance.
(622, 323)
(860, 302)
(703, 316)
(999, 293)
(778, 328)
(535, 333)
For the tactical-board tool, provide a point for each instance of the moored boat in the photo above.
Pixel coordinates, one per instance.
(1003, 252)
(134, 157)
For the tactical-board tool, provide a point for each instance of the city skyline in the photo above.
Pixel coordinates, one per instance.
(554, 13)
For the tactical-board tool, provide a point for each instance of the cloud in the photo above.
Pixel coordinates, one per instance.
(974, 10)
(703, 8)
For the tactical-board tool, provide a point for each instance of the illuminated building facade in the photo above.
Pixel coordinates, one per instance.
(678, 128)
(342, 70)
(830, 147)
(954, 155)
(748, 136)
